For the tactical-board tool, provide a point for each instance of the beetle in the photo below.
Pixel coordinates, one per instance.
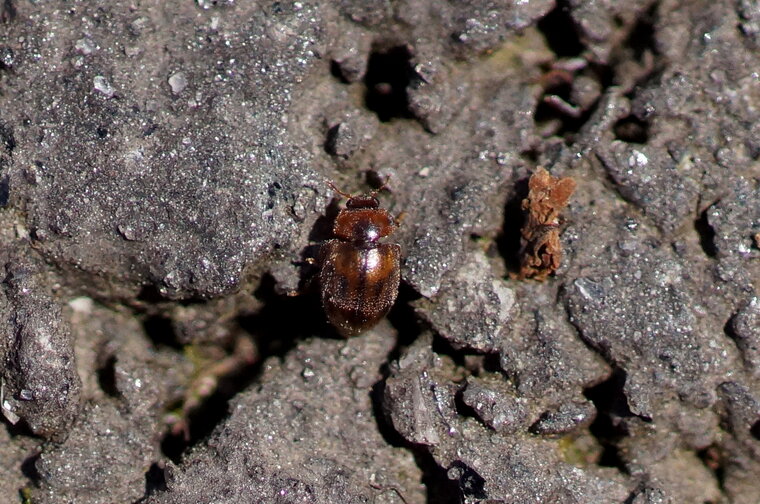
(359, 275)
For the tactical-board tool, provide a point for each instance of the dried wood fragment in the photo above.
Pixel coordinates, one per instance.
(541, 250)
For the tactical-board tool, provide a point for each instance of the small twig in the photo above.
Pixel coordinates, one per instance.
(390, 487)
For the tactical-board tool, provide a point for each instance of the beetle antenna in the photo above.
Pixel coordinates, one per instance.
(384, 186)
(345, 195)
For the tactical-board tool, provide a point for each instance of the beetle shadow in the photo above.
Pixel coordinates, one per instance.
(309, 266)
(323, 226)
(309, 258)
(321, 231)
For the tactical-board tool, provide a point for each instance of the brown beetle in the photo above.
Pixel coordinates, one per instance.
(359, 275)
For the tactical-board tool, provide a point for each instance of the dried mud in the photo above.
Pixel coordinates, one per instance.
(163, 173)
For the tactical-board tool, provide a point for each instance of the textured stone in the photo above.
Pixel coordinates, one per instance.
(39, 377)
(164, 188)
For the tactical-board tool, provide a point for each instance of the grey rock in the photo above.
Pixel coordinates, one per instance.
(178, 82)
(680, 477)
(746, 330)
(69, 471)
(352, 132)
(349, 53)
(735, 220)
(419, 408)
(437, 247)
(586, 91)
(39, 377)
(496, 405)
(566, 418)
(742, 408)
(663, 187)
(657, 326)
(649, 495)
(458, 188)
(410, 410)
(7, 57)
(705, 77)
(184, 201)
(305, 434)
(127, 386)
(369, 14)
(472, 308)
(480, 25)
(435, 94)
(600, 22)
(544, 355)
(484, 464)
(169, 199)
(463, 29)
(750, 21)
(103, 86)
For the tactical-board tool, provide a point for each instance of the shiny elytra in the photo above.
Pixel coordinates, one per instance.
(359, 275)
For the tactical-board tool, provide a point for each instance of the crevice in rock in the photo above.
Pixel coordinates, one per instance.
(641, 39)
(160, 331)
(322, 230)
(384, 426)
(573, 84)
(408, 327)
(728, 330)
(464, 410)
(636, 59)
(275, 330)
(471, 484)
(29, 469)
(336, 72)
(155, 479)
(389, 72)
(559, 30)
(7, 139)
(484, 364)
(442, 346)
(713, 459)
(5, 192)
(107, 377)
(150, 294)
(440, 489)
(610, 402)
(755, 430)
(7, 11)
(509, 241)
(7, 145)
(706, 234)
(556, 113)
(404, 319)
(632, 130)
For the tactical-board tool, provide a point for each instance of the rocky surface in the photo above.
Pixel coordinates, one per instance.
(163, 178)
